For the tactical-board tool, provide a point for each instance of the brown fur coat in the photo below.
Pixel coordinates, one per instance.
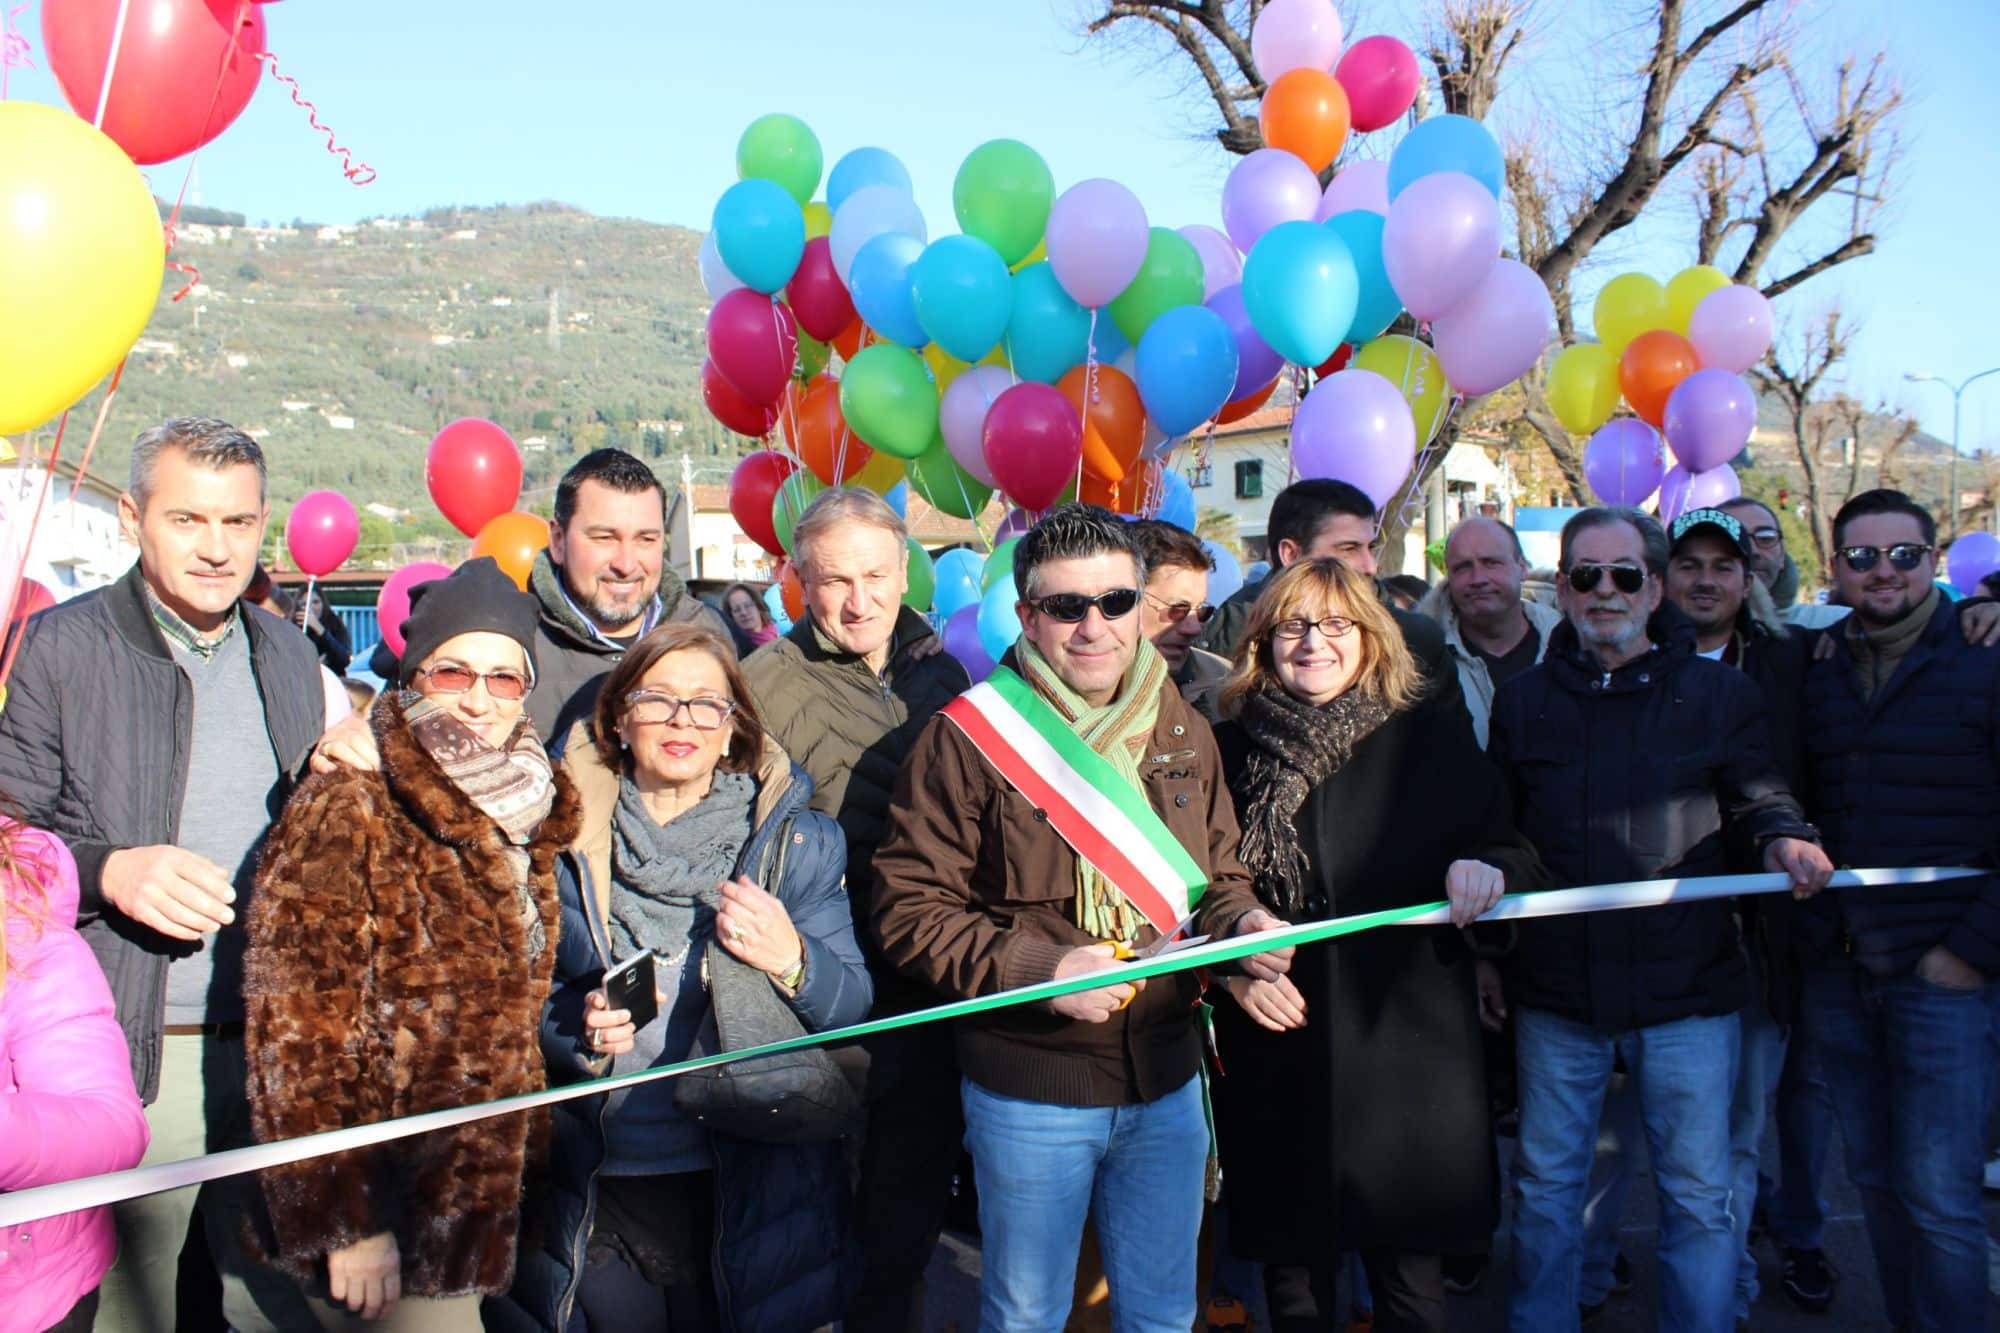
(388, 974)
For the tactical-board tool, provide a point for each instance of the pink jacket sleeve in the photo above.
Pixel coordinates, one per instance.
(67, 1104)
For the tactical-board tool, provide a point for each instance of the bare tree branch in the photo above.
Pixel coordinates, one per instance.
(1822, 346)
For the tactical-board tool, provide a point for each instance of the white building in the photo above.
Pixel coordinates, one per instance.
(76, 545)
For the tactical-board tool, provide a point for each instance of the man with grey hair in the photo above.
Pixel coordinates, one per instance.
(159, 725)
(1491, 631)
(846, 692)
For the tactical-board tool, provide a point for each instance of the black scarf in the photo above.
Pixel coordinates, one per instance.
(1295, 746)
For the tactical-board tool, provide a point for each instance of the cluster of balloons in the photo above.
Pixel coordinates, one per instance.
(473, 471)
(1674, 354)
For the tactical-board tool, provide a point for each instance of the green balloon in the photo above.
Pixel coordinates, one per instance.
(936, 476)
(922, 579)
(1170, 276)
(889, 400)
(789, 501)
(1002, 195)
(812, 357)
(999, 564)
(784, 149)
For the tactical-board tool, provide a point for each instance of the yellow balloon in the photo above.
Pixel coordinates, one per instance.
(945, 367)
(819, 219)
(1412, 367)
(1035, 256)
(880, 474)
(81, 258)
(1629, 305)
(1685, 291)
(1583, 387)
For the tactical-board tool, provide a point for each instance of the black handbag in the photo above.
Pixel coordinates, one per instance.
(794, 1097)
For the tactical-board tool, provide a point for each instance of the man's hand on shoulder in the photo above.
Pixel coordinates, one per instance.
(348, 743)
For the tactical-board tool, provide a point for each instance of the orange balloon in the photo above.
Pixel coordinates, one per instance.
(791, 592)
(818, 433)
(1114, 430)
(848, 341)
(513, 540)
(1092, 489)
(1245, 405)
(1305, 113)
(1651, 367)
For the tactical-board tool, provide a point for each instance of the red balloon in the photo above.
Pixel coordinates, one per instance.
(473, 470)
(754, 343)
(732, 409)
(165, 99)
(816, 295)
(1334, 364)
(752, 487)
(1033, 441)
(32, 597)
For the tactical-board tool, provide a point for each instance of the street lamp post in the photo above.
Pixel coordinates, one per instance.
(1957, 394)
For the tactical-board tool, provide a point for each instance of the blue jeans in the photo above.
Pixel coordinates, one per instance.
(1792, 1203)
(1612, 1168)
(1910, 1064)
(1757, 1075)
(1685, 1071)
(1136, 1171)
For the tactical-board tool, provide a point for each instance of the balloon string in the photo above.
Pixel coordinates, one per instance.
(360, 173)
(90, 445)
(229, 56)
(305, 618)
(111, 63)
(13, 46)
(28, 546)
(1089, 395)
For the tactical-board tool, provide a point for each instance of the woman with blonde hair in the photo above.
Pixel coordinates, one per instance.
(1353, 1113)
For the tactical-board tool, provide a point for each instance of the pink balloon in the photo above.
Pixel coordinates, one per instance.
(1267, 187)
(962, 416)
(1710, 415)
(1441, 240)
(392, 604)
(754, 343)
(321, 532)
(1381, 77)
(1494, 336)
(1097, 237)
(1360, 185)
(1356, 427)
(1731, 328)
(1681, 490)
(1034, 443)
(1221, 266)
(1295, 34)
(1624, 461)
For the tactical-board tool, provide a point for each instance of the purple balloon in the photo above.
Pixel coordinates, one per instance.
(1971, 558)
(1496, 334)
(1441, 240)
(1295, 34)
(1710, 415)
(1624, 461)
(1731, 328)
(1256, 364)
(1361, 185)
(1681, 490)
(1267, 187)
(962, 416)
(1097, 236)
(1356, 427)
(1017, 523)
(961, 640)
(1221, 266)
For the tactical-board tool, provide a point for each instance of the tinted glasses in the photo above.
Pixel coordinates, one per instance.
(1071, 607)
(1625, 578)
(652, 708)
(1905, 556)
(1176, 612)
(454, 678)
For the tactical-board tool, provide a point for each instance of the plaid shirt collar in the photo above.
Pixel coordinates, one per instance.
(180, 633)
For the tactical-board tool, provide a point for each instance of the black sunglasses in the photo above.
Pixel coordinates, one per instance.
(1176, 612)
(1071, 607)
(1905, 556)
(1625, 578)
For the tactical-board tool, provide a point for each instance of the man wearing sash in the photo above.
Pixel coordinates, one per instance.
(1065, 813)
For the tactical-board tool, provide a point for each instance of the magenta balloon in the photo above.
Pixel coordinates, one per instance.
(1097, 236)
(1381, 77)
(1221, 266)
(1355, 426)
(754, 343)
(1624, 461)
(961, 640)
(1034, 442)
(1731, 328)
(392, 604)
(962, 416)
(1295, 34)
(321, 532)
(1710, 415)
(1441, 240)
(1267, 187)
(1494, 336)
(1681, 490)
(1256, 364)
(1361, 185)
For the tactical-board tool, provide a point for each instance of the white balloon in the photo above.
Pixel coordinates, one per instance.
(716, 279)
(871, 211)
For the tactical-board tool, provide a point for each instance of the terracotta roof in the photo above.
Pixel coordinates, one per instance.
(1263, 419)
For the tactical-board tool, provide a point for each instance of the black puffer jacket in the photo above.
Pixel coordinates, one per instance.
(1659, 769)
(94, 745)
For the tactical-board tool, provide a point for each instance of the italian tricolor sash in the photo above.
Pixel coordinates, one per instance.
(1098, 813)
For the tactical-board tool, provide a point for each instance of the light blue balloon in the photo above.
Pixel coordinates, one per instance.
(861, 168)
(880, 286)
(898, 498)
(1301, 289)
(774, 602)
(1377, 305)
(1226, 577)
(1257, 571)
(1176, 501)
(1448, 143)
(964, 295)
(869, 212)
(999, 626)
(760, 232)
(1186, 367)
(957, 581)
(1048, 334)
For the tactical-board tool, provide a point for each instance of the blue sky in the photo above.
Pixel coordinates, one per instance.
(632, 107)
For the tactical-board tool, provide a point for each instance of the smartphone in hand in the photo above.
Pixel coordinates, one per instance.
(631, 986)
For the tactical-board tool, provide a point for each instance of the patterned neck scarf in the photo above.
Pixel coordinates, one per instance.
(1118, 732)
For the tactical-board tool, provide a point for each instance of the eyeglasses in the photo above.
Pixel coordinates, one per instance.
(1625, 578)
(1071, 607)
(1297, 627)
(1905, 556)
(452, 678)
(1175, 612)
(1766, 536)
(647, 708)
